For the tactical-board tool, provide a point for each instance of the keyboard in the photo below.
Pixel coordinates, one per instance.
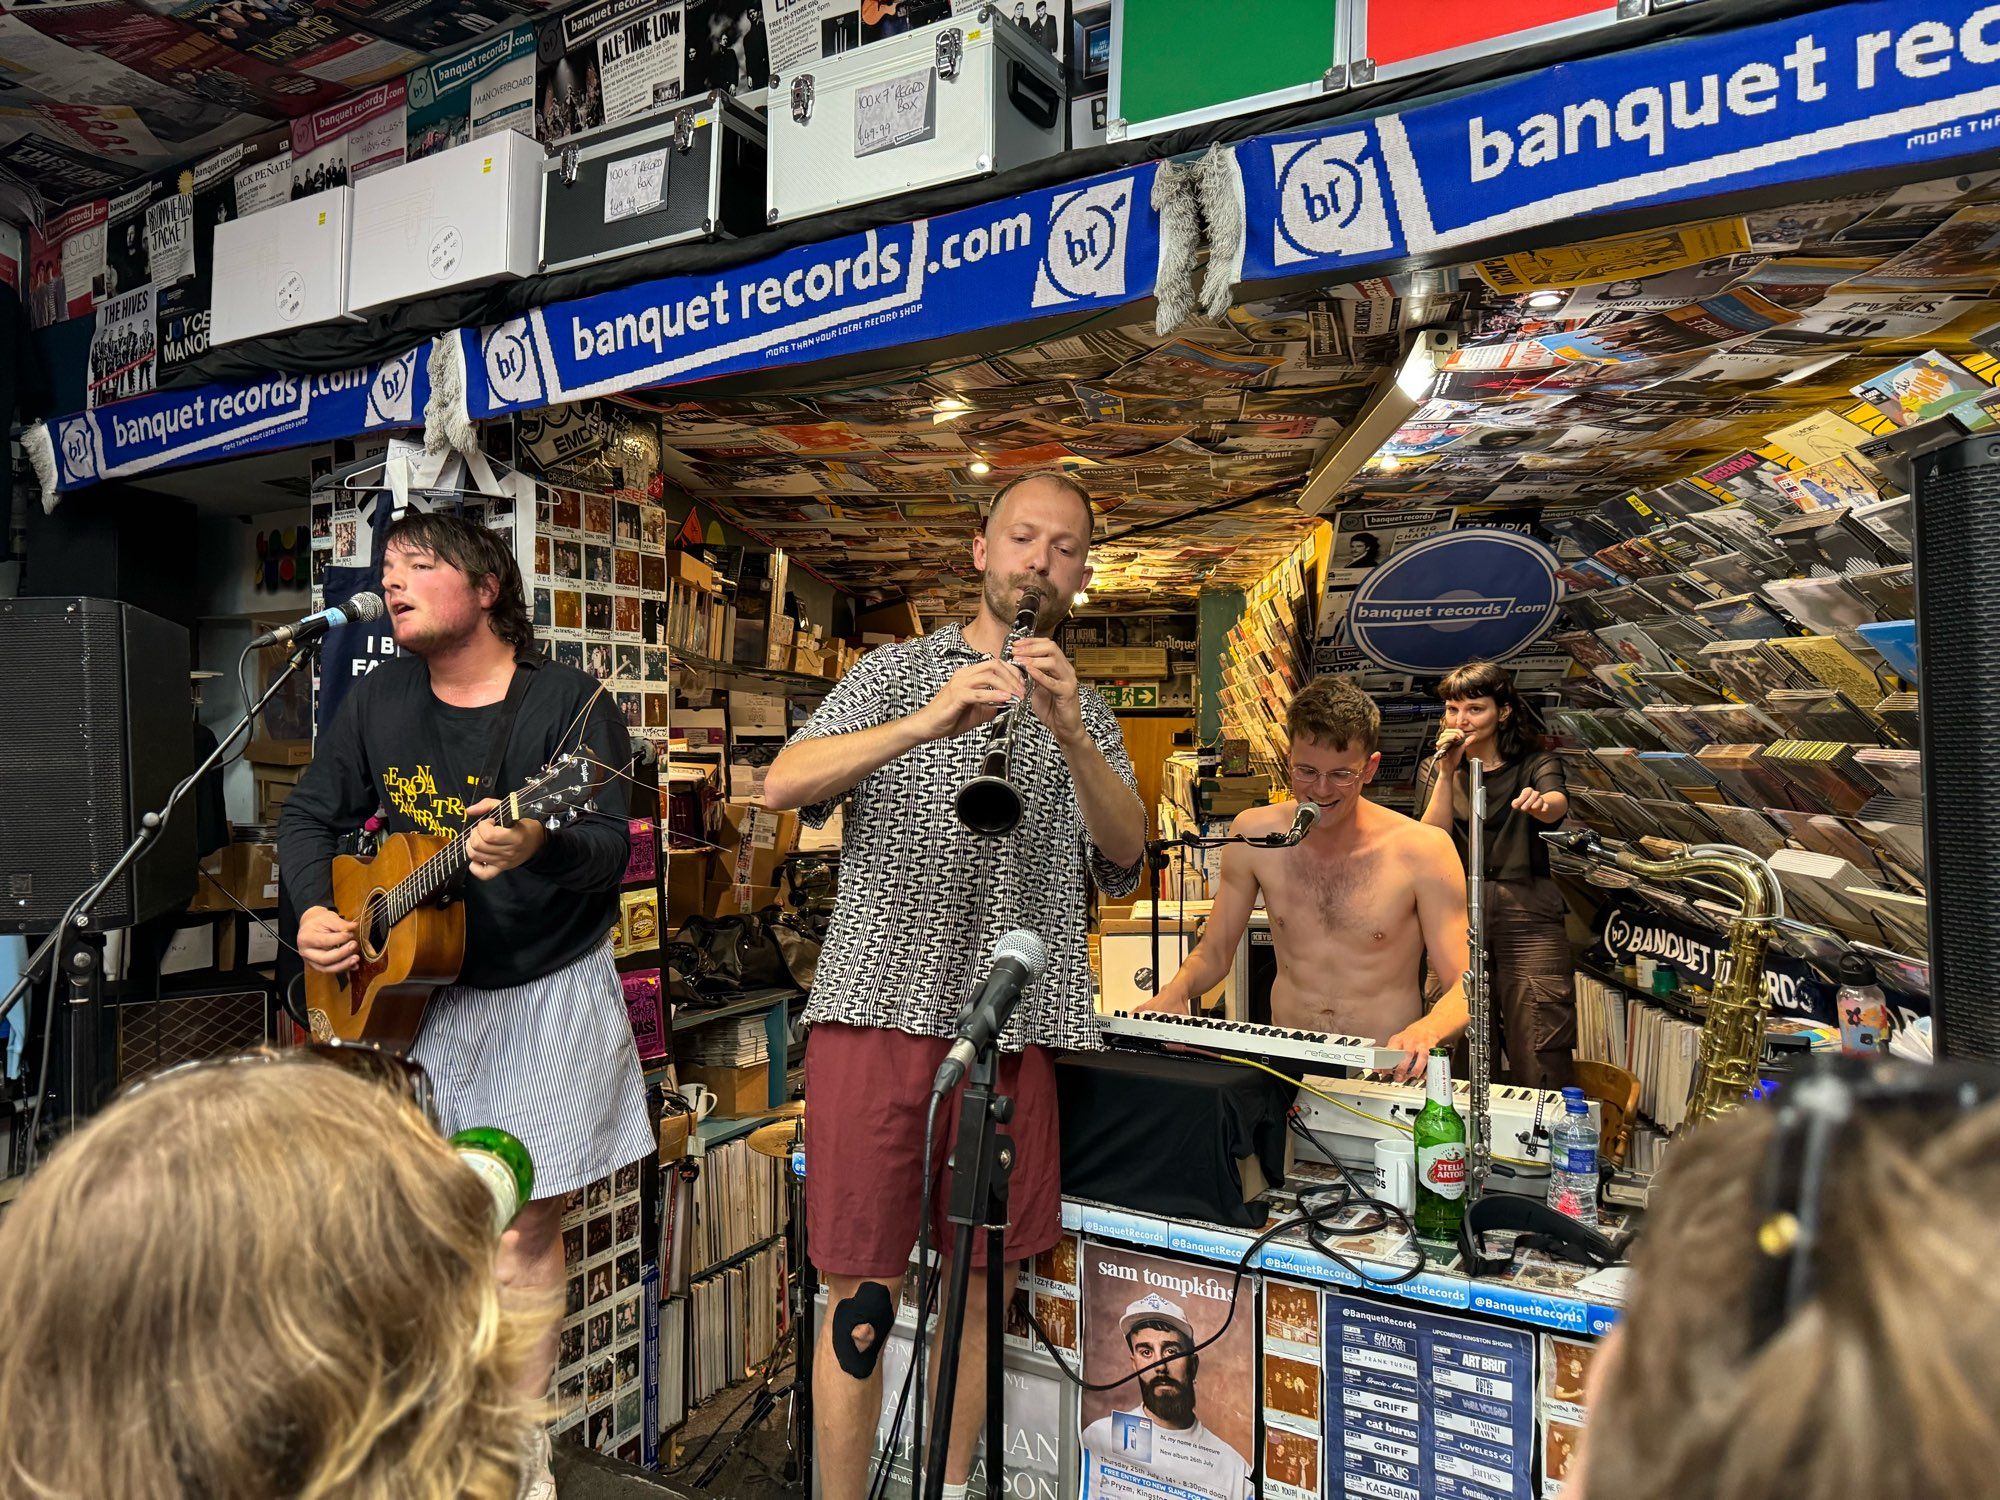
(1245, 1038)
(1363, 1111)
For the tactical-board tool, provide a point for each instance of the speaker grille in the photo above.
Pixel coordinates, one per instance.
(1958, 629)
(99, 723)
(63, 814)
(188, 1028)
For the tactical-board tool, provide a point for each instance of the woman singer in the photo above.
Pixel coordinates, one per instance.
(1530, 979)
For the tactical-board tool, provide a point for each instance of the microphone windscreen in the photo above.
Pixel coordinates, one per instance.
(1024, 946)
(364, 607)
(1308, 815)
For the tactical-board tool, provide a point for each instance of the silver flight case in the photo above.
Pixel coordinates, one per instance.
(961, 98)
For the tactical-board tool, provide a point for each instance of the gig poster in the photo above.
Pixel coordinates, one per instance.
(606, 62)
(1566, 1366)
(181, 232)
(1178, 1424)
(1426, 1406)
(1036, 1404)
(1290, 1374)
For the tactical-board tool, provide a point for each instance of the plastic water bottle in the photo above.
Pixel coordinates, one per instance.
(1864, 1015)
(1573, 1161)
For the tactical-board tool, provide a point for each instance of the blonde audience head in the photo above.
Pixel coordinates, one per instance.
(1814, 1342)
(242, 1282)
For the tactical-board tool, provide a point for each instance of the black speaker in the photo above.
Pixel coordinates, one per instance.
(1958, 649)
(94, 695)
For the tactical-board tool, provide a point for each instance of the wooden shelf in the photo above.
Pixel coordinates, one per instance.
(759, 676)
(751, 1003)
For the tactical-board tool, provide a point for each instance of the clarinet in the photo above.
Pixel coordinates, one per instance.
(989, 804)
(1479, 1035)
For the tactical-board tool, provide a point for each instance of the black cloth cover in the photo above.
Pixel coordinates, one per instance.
(1164, 1135)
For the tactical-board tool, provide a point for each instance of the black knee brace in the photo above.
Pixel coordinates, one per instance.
(870, 1308)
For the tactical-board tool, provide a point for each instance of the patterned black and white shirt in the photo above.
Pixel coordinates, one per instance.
(922, 900)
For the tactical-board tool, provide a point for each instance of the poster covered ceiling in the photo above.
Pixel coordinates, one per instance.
(1744, 354)
(99, 93)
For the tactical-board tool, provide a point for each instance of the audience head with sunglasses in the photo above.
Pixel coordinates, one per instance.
(247, 1281)
(1813, 1312)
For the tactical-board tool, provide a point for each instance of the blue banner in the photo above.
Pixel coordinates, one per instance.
(223, 421)
(1812, 98)
(1076, 248)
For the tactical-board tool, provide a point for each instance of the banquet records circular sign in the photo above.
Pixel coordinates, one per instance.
(1464, 595)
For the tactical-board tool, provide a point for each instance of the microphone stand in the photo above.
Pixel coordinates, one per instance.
(980, 1163)
(1156, 861)
(84, 970)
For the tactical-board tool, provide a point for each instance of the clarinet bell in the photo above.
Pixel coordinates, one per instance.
(989, 805)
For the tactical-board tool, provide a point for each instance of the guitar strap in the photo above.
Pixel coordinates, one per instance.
(503, 729)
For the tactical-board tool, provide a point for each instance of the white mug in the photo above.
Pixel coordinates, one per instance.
(1396, 1170)
(700, 1098)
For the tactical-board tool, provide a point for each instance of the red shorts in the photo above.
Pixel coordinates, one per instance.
(867, 1090)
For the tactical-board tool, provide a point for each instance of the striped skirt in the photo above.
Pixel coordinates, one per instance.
(552, 1061)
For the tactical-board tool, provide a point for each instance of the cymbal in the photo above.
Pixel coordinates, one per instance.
(791, 1109)
(776, 1139)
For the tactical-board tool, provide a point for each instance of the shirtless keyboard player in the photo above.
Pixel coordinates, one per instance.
(1354, 909)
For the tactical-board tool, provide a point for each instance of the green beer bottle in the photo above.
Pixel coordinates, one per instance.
(503, 1164)
(1440, 1140)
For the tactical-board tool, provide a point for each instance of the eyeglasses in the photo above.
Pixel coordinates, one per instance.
(402, 1075)
(1813, 1113)
(1337, 778)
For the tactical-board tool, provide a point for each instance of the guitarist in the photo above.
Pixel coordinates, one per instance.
(534, 1036)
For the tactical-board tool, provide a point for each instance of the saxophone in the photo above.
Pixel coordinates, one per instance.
(1732, 1038)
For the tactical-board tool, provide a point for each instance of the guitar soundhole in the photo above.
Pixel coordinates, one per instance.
(376, 917)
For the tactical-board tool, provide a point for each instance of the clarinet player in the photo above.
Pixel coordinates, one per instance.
(922, 901)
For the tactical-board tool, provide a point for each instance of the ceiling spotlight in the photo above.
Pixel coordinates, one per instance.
(1388, 407)
(980, 466)
(950, 404)
(1546, 301)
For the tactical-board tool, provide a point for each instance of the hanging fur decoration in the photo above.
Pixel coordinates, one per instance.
(42, 454)
(1223, 214)
(447, 423)
(1176, 200)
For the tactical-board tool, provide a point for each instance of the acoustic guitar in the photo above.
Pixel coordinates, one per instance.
(410, 932)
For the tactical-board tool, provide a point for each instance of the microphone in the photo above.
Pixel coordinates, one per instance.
(1019, 959)
(312, 627)
(1302, 824)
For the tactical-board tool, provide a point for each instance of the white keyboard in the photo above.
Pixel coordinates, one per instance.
(1315, 1048)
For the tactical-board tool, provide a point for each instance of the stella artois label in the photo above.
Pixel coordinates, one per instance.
(1441, 1168)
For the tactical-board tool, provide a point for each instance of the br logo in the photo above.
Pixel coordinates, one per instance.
(390, 396)
(511, 372)
(79, 452)
(1330, 199)
(1085, 253)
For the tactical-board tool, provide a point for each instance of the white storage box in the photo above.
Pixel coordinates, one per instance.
(464, 217)
(281, 268)
(961, 98)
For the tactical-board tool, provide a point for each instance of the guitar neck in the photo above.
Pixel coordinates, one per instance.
(448, 864)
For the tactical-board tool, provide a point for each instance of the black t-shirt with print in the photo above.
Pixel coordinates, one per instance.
(396, 747)
(1515, 849)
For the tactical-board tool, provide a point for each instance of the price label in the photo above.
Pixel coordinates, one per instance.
(895, 112)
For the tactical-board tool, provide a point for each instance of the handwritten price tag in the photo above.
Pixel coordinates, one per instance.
(637, 185)
(895, 112)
